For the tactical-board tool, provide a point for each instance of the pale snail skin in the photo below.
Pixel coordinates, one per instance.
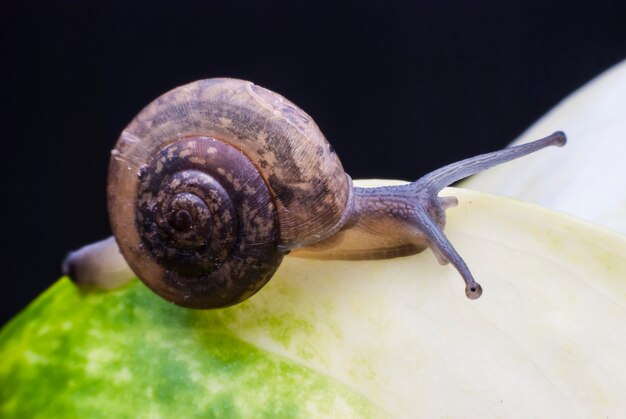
(274, 186)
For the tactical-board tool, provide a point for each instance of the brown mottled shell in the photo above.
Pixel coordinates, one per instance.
(308, 187)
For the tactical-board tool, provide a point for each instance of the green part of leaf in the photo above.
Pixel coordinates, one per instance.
(128, 353)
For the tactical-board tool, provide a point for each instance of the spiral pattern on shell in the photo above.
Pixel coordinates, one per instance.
(213, 182)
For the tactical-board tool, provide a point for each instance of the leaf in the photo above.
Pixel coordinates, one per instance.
(129, 354)
(545, 340)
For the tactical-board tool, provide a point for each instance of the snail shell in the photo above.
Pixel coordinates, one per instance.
(213, 182)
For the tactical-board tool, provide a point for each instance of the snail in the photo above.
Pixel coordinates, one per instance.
(214, 182)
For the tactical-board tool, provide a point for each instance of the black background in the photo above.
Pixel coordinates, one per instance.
(398, 88)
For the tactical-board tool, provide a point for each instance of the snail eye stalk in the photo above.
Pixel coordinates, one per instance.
(427, 187)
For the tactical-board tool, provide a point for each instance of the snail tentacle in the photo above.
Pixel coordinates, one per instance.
(447, 175)
(431, 216)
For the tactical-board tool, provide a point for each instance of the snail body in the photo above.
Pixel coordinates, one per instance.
(215, 181)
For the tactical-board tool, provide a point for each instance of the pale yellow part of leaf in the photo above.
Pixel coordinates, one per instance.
(586, 177)
(546, 339)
